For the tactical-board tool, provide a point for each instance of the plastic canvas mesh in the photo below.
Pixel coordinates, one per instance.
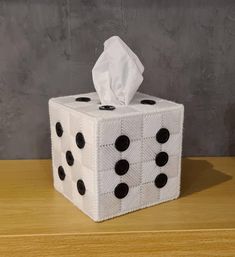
(104, 193)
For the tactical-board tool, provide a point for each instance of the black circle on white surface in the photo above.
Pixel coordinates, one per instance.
(122, 143)
(107, 107)
(162, 135)
(148, 101)
(121, 190)
(81, 187)
(121, 167)
(59, 129)
(161, 180)
(161, 159)
(83, 99)
(80, 140)
(61, 173)
(69, 158)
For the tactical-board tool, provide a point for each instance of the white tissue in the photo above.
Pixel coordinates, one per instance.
(117, 73)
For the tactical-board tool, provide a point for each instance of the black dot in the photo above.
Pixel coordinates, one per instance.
(81, 187)
(147, 101)
(161, 159)
(61, 173)
(83, 99)
(162, 135)
(121, 190)
(59, 129)
(122, 143)
(107, 108)
(121, 167)
(161, 180)
(80, 141)
(69, 158)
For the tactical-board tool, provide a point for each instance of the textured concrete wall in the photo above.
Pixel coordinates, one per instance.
(48, 48)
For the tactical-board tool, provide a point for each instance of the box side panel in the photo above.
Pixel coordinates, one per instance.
(59, 126)
(141, 154)
(74, 151)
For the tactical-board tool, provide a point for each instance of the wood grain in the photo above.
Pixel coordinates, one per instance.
(177, 244)
(36, 221)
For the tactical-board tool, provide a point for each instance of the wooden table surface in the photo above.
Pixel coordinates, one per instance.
(35, 220)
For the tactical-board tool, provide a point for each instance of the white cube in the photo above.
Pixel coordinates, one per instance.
(109, 160)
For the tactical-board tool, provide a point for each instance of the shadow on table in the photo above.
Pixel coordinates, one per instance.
(198, 175)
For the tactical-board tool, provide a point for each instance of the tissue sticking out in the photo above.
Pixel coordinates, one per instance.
(117, 73)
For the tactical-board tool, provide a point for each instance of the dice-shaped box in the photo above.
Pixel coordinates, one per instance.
(109, 160)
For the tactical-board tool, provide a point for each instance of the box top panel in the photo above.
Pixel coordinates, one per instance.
(89, 104)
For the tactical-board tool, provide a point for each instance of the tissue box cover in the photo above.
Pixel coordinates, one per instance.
(109, 160)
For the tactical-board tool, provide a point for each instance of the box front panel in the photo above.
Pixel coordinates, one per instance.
(146, 172)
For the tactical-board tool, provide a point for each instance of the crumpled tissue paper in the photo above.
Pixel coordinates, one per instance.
(117, 74)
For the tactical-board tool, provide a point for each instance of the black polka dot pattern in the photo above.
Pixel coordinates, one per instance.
(148, 102)
(121, 167)
(80, 140)
(107, 108)
(61, 173)
(161, 180)
(121, 190)
(162, 135)
(81, 187)
(69, 158)
(83, 99)
(161, 159)
(122, 143)
(59, 129)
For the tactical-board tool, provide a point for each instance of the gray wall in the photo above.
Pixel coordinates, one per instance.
(48, 48)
